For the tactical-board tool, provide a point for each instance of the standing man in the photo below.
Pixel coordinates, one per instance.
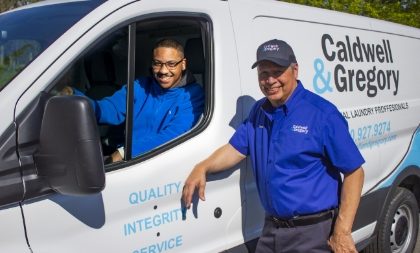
(299, 144)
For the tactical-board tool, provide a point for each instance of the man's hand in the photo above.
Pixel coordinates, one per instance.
(222, 159)
(342, 243)
(196, 180)
(66, 91)
(341, 240)
(116, 157)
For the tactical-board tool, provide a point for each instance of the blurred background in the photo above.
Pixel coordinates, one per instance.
(405, 12)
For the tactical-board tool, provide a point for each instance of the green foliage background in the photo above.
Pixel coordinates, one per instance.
(11, 4)
(405, 12)
(399, 11)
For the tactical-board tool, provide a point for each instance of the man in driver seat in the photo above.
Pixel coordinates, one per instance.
(166, 104)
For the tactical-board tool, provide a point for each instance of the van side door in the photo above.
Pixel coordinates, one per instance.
(140, 209)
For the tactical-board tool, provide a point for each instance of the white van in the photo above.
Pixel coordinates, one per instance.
(53, 196)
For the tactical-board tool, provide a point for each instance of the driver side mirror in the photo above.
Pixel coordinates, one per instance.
(70, 153)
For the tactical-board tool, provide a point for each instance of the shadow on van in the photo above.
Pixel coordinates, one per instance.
(87, 209)
(251, 209)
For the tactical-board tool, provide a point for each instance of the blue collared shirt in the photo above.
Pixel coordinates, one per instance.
(297, 151)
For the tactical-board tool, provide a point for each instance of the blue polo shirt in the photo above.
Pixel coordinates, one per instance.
(297, 151)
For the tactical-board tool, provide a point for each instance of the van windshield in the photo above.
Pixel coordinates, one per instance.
(26, 33)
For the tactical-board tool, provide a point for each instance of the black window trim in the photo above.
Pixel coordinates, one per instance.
(208, 82)
(130, 91)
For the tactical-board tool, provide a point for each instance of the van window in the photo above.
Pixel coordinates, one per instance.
(27, 32)
(101, 75)
(14, 56)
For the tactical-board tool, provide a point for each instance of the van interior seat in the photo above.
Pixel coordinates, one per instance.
(101, 74)
(194, 54)
(100, 71)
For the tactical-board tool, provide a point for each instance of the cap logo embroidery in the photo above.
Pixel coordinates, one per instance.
(300, 129)
(271, 48)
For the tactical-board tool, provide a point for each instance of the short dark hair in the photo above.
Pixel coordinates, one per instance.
(171, 43)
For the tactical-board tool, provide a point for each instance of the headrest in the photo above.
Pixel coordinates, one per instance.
(195, 56)
(100, 69)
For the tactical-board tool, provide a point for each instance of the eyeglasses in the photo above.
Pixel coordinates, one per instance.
(168, 64)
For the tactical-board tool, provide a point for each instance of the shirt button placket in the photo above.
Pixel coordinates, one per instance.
(268, 172)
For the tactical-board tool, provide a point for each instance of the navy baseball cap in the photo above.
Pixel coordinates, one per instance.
(276, 51)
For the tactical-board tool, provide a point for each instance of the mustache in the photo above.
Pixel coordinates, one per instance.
(160, 75)
(271, 86)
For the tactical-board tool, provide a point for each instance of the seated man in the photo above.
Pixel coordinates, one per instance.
(165, 105)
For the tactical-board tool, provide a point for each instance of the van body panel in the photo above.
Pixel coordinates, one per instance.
(12, 235)
(138, 207)
(367, 68)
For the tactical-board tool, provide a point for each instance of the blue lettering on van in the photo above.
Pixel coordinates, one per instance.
(145, 195)
(371, 81)
(150, 222)
(319, 75)
(370, 131)
(166, 245)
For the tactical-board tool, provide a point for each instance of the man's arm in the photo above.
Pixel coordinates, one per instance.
(222, 159)
(341, 240)
(109, 110)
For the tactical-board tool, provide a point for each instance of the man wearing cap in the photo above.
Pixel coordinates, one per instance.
(299, 145)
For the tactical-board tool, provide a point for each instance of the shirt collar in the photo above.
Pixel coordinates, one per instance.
(295, 97)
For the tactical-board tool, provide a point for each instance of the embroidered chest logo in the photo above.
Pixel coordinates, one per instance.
(300, 129)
